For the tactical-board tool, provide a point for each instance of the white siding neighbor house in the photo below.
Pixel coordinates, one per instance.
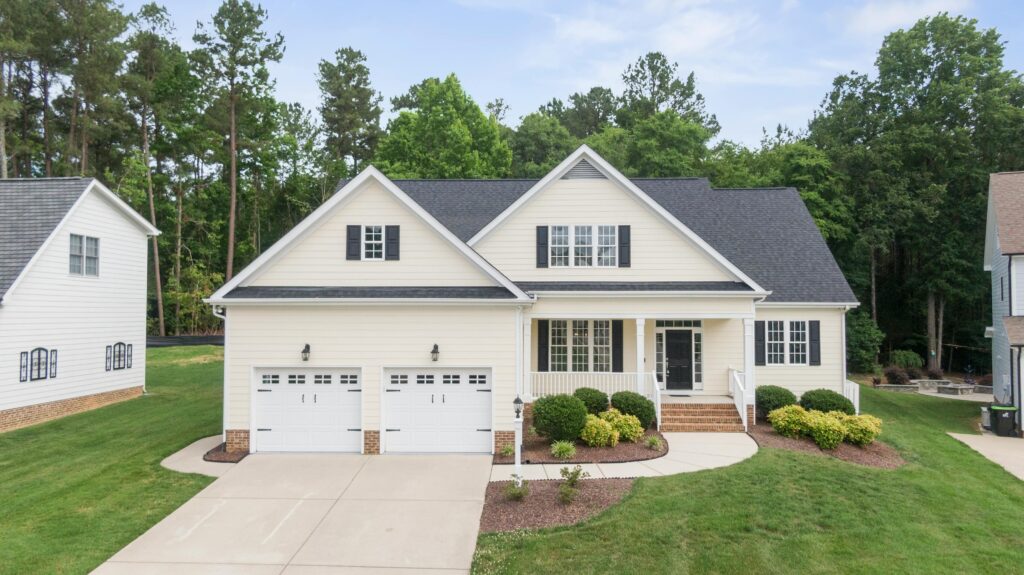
(1004, 257)
(407, 315)
(72, 299)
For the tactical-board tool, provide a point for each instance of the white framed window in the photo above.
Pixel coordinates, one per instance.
(602, 345)
(580, 345)
(559, 345)
(39, 366)
(373, 243)
(84, 256)
(576, 246)
(786, 342)
(776, 341)
(798, 342)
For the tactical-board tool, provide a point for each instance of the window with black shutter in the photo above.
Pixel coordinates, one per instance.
(23, 366)
(391, 242)
(110, 357)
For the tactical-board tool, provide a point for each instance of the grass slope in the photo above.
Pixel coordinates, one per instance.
(76, 490)
(948, 511)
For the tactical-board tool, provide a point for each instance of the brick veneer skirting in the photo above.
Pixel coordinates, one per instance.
(371, 442)
(19, 417)
(503, 438)
(237, 440)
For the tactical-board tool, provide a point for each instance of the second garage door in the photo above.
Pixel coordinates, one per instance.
(432, 410)
(308, 410)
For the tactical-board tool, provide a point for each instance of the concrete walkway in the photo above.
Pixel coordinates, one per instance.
(328, 514)
(1007, 452)
(190, 459)
(687, 452)
(975, 397)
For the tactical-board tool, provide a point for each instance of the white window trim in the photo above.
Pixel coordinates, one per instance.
(84, 255)
(594, 246)
(362, 242)
(786, 340)
(698, 384)
(590, 346)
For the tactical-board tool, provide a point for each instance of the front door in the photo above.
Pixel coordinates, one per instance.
(679, 359)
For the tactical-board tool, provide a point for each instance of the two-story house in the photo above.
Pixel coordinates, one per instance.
(1004, 257)
(407, 315)
(72, 299)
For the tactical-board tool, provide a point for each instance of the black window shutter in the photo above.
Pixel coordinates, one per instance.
(542, 344)
(624, 251)
(110, 356)
(617, 345)
(542, 246)
(391, 242)
(352, 243)
(53, 363)
(815, 340)
(24, 366)
(129, 356)
(759, 350)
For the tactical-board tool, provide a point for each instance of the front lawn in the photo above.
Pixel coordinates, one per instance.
(948, 511)
(76, 490)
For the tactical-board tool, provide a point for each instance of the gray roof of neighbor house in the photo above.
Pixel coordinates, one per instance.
(30, 209)
(768, 233)
(1007, 190)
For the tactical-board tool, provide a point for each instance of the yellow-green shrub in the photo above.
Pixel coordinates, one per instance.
(861, 429)
(827, 430)
(628, 426)
(599, 433)
(790, 421)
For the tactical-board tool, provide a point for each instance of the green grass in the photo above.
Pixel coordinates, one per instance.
(948, 511)
(76, 490)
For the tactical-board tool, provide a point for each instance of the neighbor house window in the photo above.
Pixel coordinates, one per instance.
(574, 246)
(373, 242)
(786, 342)
(40, 363)
(84, 256)
(580, 345)
(119, 356)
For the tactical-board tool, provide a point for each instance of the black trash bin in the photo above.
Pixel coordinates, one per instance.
(1004, 419)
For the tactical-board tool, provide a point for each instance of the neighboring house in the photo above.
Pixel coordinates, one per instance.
(406, 315)
(72, 299)
(1004, 257)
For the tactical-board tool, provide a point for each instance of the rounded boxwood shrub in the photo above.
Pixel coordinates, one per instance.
(826, 400)
(861, 430)
(595, 399)
(905, 358)
(632, 403)
(599, 433)
(628, 426)
(896, 376)
(913, 373)
(789, 421)
(559, 417)
(768, 398)
(825, 429)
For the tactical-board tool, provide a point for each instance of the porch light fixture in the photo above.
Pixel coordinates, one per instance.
(305, 353)
(517, 404)
(434, 353)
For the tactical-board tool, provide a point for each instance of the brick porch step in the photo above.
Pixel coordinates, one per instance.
(701, 427)
(698, 417)
(733, 418)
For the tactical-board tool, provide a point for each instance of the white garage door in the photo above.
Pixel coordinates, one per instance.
(308, 410)
(432, 410)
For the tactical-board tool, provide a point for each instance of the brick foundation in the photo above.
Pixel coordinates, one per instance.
(503, 438)
(238, 440)
(371, 442)
(19, 417)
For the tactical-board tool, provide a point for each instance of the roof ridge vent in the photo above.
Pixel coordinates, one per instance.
(584, 170)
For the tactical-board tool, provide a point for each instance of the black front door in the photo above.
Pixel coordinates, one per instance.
(679, 359)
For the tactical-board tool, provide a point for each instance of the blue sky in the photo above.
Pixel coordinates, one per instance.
(758, 62)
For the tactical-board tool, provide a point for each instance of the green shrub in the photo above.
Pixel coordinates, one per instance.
(628, 426)
(595, 399)
(768, 398)
(515, 492)
(825, 429)
(653, 443)
(905, 358)
(913, 373)
(559, 417)
(863, 339)
(632, 403)
(826, 400)
(789, 421)
(599, 433)
(508, 450)
(936, 374)
(563, 450)
(861, 430)
(896, 376)
(569, 488)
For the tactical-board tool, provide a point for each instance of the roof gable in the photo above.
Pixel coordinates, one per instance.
(1005, 214)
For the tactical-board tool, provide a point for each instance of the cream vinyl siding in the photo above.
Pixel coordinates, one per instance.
(78, 315)
(801, 378)
(318, 257)
(370, 337)
(658, 251)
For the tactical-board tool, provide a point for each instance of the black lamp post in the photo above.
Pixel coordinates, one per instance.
(305, 353)
(517, 404)
(434, 353)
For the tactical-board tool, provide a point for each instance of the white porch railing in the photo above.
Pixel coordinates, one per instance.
(656, 398)
(543, 383)
(737, 387)
(851, 391)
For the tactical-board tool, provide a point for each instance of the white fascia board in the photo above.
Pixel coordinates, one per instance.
(265, 302)
(611, 173)
(314, 218)
(646, 295)
(793, 304)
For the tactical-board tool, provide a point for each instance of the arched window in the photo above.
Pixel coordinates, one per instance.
(39, 364)
(120, 355)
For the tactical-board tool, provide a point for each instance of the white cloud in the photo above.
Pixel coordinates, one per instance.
(877, 17)
(789, 5)
(588, 31)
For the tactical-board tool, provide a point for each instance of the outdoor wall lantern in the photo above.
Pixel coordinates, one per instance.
(517, 404)
(305, 353)
(434, 353)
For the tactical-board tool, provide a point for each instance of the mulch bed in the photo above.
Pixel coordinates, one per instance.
(537, 449)
(541, 508)
(877, 454)
(219, 455)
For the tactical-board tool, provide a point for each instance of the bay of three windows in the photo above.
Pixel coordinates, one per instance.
(583, 246)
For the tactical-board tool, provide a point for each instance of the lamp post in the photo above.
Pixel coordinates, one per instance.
(518, 422)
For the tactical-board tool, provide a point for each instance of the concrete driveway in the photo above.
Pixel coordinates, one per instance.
(305, 514)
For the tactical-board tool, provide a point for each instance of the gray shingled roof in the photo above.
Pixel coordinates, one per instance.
(334, 292)
(633, 286)
(30, 209)
(768, 233)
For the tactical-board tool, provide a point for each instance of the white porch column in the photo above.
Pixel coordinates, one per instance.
(748, 359)
(526, 327)
(640, 323)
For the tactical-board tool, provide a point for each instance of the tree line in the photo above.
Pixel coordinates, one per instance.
(893, 166)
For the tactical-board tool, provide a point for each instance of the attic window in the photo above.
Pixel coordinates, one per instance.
(583, 170)
(84, 257)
